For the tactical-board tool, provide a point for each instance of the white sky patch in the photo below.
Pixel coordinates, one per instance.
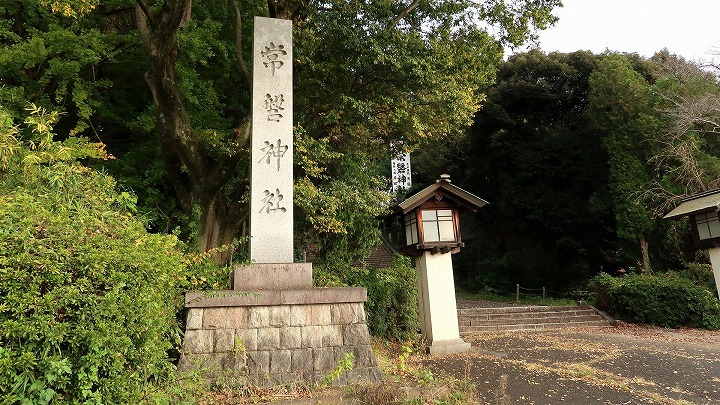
(690, 28)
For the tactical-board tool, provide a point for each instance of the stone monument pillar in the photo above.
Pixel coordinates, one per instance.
(271, 179)
(271, 182)
(274, 327)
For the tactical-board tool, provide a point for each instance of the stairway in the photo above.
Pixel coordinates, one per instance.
(474, 320)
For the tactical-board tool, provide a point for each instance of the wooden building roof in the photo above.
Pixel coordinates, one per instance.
(443, 185)
(707, 201)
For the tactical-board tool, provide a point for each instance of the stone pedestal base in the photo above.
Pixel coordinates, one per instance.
(715, 263)
(272, 276)
(438, 309)
(268, 337)
(448, 347)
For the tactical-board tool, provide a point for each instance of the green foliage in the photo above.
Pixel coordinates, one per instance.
(531, 154)
(87, 297)
(621, 106)
(402, 365)
(58, 63)
(391, 308)
(140, 170)
(366, 75)
(345, 364)
(667, 300)
(579, 155)
(700, 274)
(366, 80)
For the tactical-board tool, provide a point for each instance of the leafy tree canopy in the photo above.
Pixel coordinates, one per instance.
(169, 79)
(580, 155)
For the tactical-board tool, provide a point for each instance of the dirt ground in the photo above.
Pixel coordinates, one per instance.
(613, 365)
(627, 364)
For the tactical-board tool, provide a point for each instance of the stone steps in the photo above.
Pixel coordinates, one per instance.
(474, 320)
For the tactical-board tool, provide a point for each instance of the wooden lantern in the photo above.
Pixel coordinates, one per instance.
(431, 218)
(703, 212)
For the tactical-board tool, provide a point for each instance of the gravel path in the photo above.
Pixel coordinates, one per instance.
(623, 365)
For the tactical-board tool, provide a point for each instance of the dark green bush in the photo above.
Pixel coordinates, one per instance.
(87, 297)
(701, 274)
(667, 300)
(392, 306)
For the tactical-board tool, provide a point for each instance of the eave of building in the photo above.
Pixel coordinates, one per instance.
(703, 202)
(467, 199)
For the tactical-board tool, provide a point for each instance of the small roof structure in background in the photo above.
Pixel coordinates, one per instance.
(464, 198)
(703, 202)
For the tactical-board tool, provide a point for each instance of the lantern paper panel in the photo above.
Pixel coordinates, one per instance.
(708, 225)
(411, 231)
(438, 225)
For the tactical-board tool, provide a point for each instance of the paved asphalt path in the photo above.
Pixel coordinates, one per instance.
(613, 365)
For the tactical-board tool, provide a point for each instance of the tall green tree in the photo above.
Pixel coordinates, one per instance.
(531, 154)
(622, 107)
(368, 72)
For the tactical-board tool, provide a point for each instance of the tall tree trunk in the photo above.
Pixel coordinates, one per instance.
(198, 177)
(645, 255)
(219, 225)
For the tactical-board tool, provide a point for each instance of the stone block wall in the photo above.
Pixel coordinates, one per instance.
(273, 344)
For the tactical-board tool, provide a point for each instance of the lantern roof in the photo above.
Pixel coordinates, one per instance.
(444, 188)
(707, 201)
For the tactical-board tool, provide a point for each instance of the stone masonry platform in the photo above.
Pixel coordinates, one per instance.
(277, 336)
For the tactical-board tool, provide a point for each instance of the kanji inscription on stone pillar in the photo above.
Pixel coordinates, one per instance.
(271, 183)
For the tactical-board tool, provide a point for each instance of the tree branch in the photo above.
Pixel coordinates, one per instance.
(223, 170)
(285, 9)
(402, 14)
(272, 8)
(146, 11)
(142, 20)
(238, 45)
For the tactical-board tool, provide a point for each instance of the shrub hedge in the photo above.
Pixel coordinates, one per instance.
(391, 308)
(667, 300)
(88, 299)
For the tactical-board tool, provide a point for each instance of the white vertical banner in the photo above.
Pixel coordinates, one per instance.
(401, 173)
(271, 182)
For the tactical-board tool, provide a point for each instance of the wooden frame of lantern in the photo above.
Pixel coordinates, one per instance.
(703, 212)
(702, 209)
(434, 227)
(706, 229)
(431, 218)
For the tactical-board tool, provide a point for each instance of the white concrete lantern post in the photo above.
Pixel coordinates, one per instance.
(703, 212)
(432, 234)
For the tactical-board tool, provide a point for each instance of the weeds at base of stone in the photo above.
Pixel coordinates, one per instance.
(345, 364)
(447, 392)
(230, 388)
(181, 389)
(404, 368)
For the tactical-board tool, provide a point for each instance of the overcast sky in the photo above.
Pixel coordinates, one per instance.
(690, 28)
